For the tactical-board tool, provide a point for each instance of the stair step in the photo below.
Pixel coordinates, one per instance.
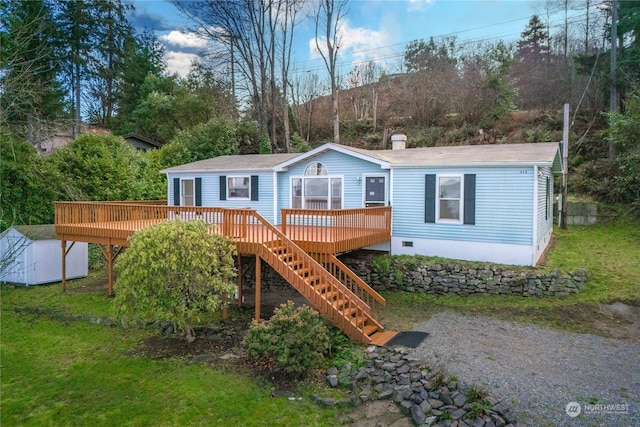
(370, 329)
(278, 249)
(322, 286)
(295, 263)
(302, 272)
(349, 311)
(310, 280)
(340, 303)
(330, 295)
(358, 321)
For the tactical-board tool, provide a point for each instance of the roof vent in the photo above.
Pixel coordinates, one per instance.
(399, 141)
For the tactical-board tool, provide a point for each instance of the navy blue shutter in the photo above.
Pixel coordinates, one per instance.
(223, 187)
(198, 191)
(176, 191)
(254, 187)
(430, 198)
(470, 199)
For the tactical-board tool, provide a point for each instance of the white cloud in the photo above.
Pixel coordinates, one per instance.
(419, 5)
(179, 62)
(358, 44)
(181, 39)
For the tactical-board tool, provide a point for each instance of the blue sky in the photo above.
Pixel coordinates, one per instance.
(373, 29)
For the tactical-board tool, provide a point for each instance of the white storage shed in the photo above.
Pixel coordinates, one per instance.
(30, 255)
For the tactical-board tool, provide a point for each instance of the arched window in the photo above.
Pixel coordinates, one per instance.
(315, 169)
(316, 189)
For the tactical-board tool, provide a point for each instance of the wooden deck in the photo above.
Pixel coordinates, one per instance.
(315, 231)
(302, 249)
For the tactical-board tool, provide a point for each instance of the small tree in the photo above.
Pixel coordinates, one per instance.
(175, 271)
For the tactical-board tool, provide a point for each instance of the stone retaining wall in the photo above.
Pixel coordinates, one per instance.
(441, 276)
(437, 276)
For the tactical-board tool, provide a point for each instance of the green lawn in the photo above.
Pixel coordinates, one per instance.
(61, 372)
(57, 373)
(609, 252)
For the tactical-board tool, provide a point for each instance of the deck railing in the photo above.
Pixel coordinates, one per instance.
(340, 228)
(353, 282)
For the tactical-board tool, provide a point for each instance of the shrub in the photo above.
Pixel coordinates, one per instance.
(175, 271)
(296, 338)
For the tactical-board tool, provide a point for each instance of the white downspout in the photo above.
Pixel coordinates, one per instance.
(275, 198)
(535, 216)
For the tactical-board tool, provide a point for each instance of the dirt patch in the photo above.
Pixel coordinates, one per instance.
(619, 320)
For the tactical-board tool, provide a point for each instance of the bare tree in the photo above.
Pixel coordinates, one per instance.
(288, 22)
(258, 36)
(328, 20)
(305, 89)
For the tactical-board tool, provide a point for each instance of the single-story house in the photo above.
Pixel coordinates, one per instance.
(30, 255)
(478, 203)
(141, 142)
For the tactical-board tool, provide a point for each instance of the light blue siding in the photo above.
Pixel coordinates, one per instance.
(544, 218)
(211, 192)
(348, 167)
(504, 206)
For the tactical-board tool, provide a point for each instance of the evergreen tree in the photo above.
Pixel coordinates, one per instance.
(143, 56)
(534, 43)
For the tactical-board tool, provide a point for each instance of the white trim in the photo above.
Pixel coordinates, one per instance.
(363, 182)
(535, 213)
(501, 253)
(227, 187)
(276, 217)
(460, 219)
(329, 147)
(469, 165)
(182, 180)
(391, 192)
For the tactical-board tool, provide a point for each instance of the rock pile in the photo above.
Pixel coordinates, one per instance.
(423, 395)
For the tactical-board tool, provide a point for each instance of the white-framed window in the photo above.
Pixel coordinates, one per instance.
(188, 192)
(316, 189)
(449, 199)
(239, 187)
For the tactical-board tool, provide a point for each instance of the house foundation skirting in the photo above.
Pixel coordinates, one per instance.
(499, 253)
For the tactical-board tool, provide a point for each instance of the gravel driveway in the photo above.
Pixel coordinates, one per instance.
(537, 371)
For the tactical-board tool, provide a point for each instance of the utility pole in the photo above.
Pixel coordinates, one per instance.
(565, 167)
(613, 96)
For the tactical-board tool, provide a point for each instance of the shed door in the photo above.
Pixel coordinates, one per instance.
(375, 191)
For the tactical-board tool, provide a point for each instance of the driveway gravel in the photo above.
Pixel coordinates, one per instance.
(538, 371)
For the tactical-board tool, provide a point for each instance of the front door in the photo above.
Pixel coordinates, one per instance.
(375, 191)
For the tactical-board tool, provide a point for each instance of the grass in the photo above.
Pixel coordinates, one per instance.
(609, 252)
(75, 373)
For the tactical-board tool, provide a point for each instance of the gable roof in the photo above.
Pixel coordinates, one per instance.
(541, 154)
(34, 232)
(237, 163)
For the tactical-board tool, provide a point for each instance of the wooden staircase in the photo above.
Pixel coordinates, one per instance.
(335, 300)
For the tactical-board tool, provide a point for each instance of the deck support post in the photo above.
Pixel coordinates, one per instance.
(110, 268)
(65, 252)
(110, 256)
(240, 280)
(63, 243)
(257, 299)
